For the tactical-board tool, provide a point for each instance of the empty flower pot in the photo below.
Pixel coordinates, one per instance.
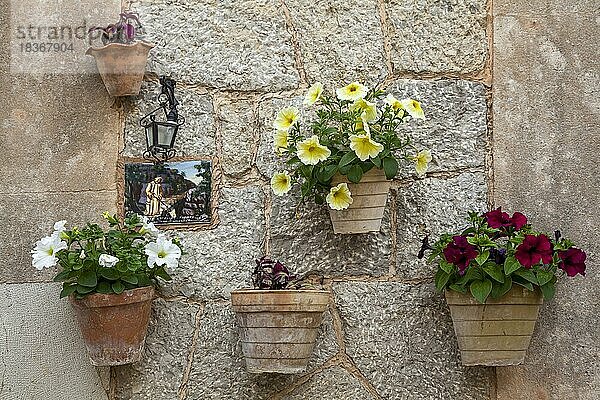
(114, 325)
(122, 66)
(498, 332)
(278, 328)
(369, 199)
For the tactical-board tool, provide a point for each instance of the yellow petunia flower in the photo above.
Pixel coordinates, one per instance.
(310, 151)
(281, 183)
(339, 197)
(353, 91)
(286, 118)
(362, 125)
(280, 142)
(395, 104)
(413, 108)
(314, 93)
(365, 147)
(369, 110)
(422, 160)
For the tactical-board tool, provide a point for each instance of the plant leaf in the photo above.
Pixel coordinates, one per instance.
(458, 288)
(104, 288)
(130, 279)
(527, 274)
(118, 287)
(390, 167)
(511, 264)
(84, 289)
(495, 271)
(355, 174)
(88, 279)
(67, 290)
(441, 279)
(544, 276)
(62, 276)
(500, 289)
(160, 272)
(549, 289)
(520, 281)
(327, 172)
(347, 158)
(109, 273)
(482, 257)
(481, 289)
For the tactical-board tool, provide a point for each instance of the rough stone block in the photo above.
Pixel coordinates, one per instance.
(432, 207)
(43, 355)
(331, 384)
(455, 129)
(341, 41)
(26, 218)
(51, 140)
(219, 370)
(234, 44)
(437, 37)
(404, 342)
(160, 372)
(238, 130)
(195, 138)
(306, 242)
(221, 260)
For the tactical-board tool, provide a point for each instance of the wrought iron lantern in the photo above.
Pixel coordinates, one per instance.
(161, 127)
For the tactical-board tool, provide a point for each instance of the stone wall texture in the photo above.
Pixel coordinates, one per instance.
(387, 334)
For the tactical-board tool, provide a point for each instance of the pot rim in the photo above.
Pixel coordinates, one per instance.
(144, 43)
(131, 296)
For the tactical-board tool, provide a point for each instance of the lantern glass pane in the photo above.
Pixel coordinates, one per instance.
(165, 134)
(150, 136)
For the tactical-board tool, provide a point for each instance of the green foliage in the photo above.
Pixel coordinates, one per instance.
(336, 121)
(82, 273)
(495, 268)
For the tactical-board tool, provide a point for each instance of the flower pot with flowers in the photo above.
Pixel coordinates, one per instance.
(495, 274)
(279, 319)
(122, 58)
(109, 277)
(348, 154)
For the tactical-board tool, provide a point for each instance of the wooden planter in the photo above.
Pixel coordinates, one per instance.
(114, 325)
(278, 328)
(366, 211)
(498, 332)
(122, 66)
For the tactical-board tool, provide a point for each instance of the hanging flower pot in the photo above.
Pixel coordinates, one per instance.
(369, 199)
(122, 66)
(114, 326)
(498, 332)
(109, 276)
(494, 274)
(347, 155)
(122, 59)
(278, 327)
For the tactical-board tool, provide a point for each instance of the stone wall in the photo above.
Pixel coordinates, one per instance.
(387, 334)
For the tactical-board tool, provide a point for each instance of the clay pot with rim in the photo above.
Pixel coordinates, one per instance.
(122, 66)
(278, 328)
(498, 332)
(369, 197)
(114, 325)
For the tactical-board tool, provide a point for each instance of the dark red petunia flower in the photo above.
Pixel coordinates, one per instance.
(518, 220)
(498, 219)
(572, 261)
(460, 253)
(533, 250)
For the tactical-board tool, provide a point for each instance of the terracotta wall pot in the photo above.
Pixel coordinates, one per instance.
(122, 66)
(498, 332)
(114, 325)
(278, 328)
(366, 211)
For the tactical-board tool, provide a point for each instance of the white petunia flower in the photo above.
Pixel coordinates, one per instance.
(44, 253)
(162, 252)
(107, 261)
(148, 226)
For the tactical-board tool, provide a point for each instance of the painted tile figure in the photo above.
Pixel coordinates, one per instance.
(154, 196)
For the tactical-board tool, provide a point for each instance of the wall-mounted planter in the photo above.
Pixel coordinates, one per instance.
(369, 199)
(114, 326)
(498, 332)
(122, 66)
(278, 328)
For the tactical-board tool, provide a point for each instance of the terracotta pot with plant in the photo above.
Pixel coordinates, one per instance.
(495, 274)
(122, 58)
(347, 156)
(279, 319)
(109, 277)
